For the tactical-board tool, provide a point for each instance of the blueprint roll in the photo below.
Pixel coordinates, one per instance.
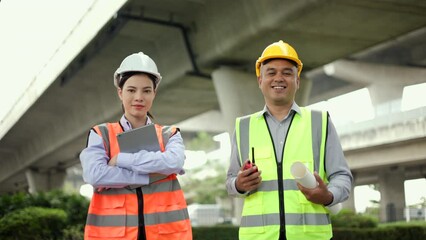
(335, 209)
(304, 177)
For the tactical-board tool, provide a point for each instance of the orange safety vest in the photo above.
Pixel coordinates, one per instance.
(116, 213)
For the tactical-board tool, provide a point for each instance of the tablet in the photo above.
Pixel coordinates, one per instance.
(142, 138)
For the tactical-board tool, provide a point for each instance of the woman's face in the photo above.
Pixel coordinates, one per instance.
(137, 95)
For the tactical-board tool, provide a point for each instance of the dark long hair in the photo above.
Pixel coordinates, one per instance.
(125, 76)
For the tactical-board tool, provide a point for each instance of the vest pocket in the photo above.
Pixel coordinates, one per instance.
(106, 201)
(107, 216)
(252, 220)
(315, 218)
(177, 220)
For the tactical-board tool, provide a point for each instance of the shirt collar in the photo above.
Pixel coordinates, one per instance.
(294, 108)
(127, 125)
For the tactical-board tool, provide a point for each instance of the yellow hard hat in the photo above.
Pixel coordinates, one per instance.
(279, 49)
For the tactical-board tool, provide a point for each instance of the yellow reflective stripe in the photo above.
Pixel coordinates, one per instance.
(165, 186)
(290, 219)
(316, 137)
(322, 170)
(132, 220)
(260, 220)
(272, 185)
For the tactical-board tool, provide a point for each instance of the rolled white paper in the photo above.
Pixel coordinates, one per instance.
(304, 177)
(335, 209)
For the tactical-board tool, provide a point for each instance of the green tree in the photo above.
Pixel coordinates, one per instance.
(203, 141)
(33, 223)
(208, 189)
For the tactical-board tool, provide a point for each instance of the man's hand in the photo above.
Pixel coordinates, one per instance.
(318, 195)
(113, 161)
(248, 180)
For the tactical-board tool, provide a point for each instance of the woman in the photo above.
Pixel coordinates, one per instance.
(137, 195)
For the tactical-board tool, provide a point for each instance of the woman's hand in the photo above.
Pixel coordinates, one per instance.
(113, 161)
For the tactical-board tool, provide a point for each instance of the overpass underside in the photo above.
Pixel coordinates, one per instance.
(206, 51)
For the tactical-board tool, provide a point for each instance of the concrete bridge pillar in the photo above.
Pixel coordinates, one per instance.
(391, 187)
(350, 202)
(238, 94)
(45, 181)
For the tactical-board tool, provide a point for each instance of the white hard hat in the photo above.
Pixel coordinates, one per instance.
(137, 62)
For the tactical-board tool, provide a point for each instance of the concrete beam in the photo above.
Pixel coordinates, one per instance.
(406, 153)
(371, 73)
(394, 128)
(385, 81)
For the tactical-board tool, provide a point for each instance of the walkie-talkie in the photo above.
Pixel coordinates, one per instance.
(252, 163)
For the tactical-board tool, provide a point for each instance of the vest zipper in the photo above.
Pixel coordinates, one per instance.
(280, 179)
(141, 220)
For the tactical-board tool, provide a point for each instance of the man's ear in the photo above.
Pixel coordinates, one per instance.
(259, 80)
(298, 82)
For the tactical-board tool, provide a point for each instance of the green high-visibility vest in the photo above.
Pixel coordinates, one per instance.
(278, 205)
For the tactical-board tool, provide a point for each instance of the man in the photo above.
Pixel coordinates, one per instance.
(275, 206)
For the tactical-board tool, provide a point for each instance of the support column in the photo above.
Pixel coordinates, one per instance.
(350, 202)
(45, 181)
(392, 197)
(238, 94)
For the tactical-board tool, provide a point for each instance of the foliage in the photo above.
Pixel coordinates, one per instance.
(203, 141)
(211, 187)
(214, 233)
(73, 204)
(10, 203)
(349, 219)
(212, 174)
(389, 233)
(33, 223)
(73, 232)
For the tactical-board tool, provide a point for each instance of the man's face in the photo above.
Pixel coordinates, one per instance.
(278, 82)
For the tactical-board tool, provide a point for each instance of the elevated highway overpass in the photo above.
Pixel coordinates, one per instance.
(387, 151)
(206, 51)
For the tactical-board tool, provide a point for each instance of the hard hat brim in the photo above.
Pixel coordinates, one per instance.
(117, 77)
(262, 59)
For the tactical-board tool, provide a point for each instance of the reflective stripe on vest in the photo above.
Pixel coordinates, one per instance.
(305, 142)
(113, 213)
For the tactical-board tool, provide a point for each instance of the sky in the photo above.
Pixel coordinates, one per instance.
(33, 31)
